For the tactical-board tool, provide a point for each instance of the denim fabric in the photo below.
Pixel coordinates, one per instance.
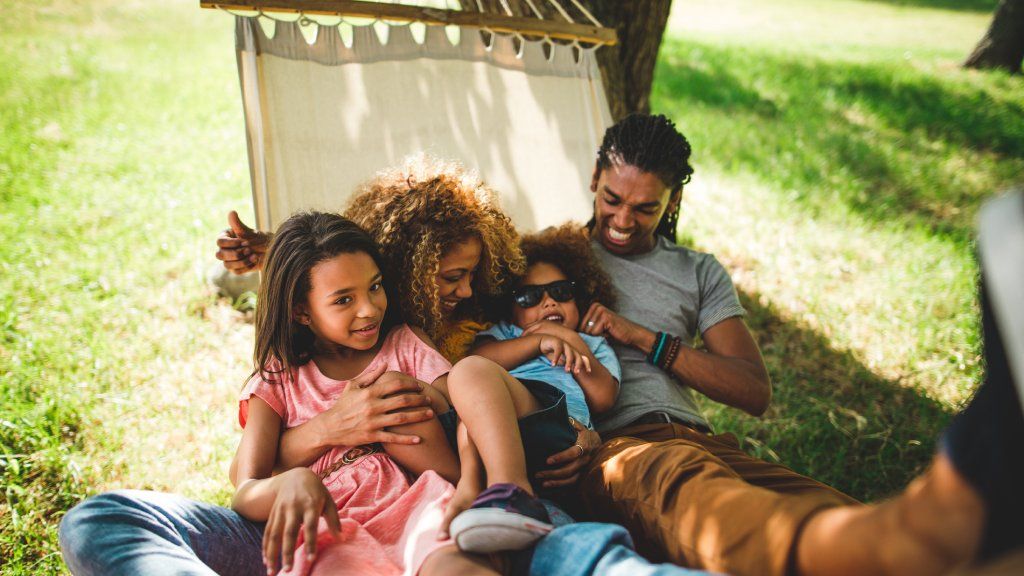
(450, 424)
(599, 549)
(129, 532)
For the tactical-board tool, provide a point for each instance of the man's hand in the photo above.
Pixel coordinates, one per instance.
(241, 248)
(369, 404)
(572, 460)
(600, 321)
(300, 502)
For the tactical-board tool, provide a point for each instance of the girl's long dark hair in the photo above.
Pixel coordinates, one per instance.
(302, 242)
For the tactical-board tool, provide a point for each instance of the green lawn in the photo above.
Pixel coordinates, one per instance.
(841, 157)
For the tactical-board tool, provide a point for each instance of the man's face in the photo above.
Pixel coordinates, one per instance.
(628, 204)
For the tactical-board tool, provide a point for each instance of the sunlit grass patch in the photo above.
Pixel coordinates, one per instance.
(839, 183)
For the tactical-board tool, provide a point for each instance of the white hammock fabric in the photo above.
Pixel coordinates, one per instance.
(323, 117)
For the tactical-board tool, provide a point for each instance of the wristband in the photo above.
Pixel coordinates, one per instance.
(659, 346)
(673, 351)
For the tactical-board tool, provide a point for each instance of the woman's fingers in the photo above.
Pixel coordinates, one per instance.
(404, 401)
(271, 539)
(288, 536)
(333, 522)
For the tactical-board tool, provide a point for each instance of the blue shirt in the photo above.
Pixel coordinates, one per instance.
(540, 368)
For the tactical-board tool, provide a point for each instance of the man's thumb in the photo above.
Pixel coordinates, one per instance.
(240, 230)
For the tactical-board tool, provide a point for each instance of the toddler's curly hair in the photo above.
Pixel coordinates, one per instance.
(568, 247)
(419, 211)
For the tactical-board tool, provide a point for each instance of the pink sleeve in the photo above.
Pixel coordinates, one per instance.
(418, 359)
(270, 392)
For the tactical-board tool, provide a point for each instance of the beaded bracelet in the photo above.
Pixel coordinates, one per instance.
(673, 351)
(659, 346)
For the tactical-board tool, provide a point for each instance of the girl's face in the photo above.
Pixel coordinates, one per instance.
(346, 303)
(455, 273)
(539, 276)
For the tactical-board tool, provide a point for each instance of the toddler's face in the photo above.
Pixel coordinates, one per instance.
(545, 279)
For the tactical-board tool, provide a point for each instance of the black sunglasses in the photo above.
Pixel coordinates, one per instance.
(530, 295)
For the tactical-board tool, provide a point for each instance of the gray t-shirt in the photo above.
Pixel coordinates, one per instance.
(669, 289)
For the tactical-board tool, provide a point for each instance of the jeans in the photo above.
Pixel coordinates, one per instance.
(129, 532)
(595, 548)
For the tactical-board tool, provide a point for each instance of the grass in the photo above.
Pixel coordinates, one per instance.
(839, 178)
(841, 159)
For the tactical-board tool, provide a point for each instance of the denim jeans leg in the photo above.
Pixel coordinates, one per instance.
(591, 548)
(127, 532)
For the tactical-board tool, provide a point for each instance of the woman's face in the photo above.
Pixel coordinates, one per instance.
(455, 273)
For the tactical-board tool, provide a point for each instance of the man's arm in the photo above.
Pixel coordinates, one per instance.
(731, 371)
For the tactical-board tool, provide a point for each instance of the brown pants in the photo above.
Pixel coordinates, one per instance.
(699, 501)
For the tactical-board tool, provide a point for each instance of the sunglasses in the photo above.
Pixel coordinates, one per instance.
(530, 295)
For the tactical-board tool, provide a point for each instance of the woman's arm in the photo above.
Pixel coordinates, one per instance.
(362, 414)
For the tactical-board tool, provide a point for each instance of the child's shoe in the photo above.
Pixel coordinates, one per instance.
(503, 517)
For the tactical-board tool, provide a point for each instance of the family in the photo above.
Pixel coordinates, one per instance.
(434, 394)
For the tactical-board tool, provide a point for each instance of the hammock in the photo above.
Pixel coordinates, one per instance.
(328, 103)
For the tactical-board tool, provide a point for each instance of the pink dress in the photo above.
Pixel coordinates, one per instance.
(388, 523)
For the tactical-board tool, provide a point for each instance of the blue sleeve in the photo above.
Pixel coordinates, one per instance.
(495, 331)
(606, 356)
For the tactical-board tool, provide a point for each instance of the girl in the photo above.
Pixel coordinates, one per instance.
(322, 323)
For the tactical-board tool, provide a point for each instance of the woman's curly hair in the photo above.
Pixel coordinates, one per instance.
(568, 247)
(419, 211)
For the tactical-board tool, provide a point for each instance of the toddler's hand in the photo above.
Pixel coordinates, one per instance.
(561, 353)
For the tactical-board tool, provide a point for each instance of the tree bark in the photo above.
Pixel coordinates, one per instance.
(627, 68)
(1002, 47)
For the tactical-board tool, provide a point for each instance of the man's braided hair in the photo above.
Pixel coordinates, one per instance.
(652, 144)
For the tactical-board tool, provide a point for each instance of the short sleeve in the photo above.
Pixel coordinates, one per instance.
(271, 393)
(606, 356)
(418, 359)
(718, 300)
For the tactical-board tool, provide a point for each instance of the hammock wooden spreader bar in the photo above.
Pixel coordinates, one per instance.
(432, 16)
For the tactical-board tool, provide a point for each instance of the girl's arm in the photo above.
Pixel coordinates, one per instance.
(289, 501)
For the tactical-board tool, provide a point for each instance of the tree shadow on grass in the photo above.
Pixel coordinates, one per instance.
(890, 141)
(957, 5)
(831, 418)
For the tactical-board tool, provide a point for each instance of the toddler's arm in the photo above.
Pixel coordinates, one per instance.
(600, 387)
(508, 353)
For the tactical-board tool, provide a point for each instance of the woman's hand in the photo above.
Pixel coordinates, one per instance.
(241, 248)
(371, 403)
(572, 460)
(465, 493)
(301, 500)
(561, 353)
(600, 321)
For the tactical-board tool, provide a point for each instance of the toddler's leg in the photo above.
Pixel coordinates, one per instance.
(490, 401)
(449, 560)
(433, 452)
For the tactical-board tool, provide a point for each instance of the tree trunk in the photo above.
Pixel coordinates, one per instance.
(1003, 44)
(626, 68)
